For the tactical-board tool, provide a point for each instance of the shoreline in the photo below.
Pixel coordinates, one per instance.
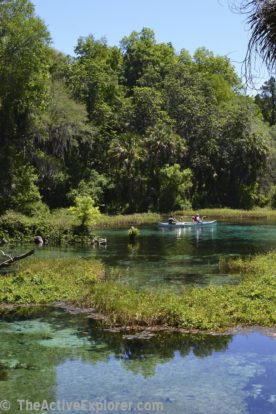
(60, 228)
(138, 331)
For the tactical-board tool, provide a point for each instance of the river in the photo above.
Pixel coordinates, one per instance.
(66, 359)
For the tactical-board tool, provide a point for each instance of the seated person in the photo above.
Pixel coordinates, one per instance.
(171, 220)
(198, 219)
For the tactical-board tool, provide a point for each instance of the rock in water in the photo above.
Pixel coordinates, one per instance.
(38, 240)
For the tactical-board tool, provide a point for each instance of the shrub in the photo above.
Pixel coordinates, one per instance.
(85, 210)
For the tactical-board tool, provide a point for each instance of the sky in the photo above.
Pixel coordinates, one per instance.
(185, 23)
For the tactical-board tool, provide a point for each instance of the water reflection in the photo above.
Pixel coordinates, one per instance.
(63, 356)
(175, 257)
(197, 231)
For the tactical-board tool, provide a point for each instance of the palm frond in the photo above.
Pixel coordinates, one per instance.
(262, 21)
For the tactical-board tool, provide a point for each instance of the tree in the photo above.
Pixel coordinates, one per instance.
(64, 142)
(85, 210)
(147, 108)
(145, 62)
(226, 141)
(208, 63)
(241, 157)
(162, 146)
(93, 184)
(19, 186)
(24, 64)
(94, 79)
(266, 101)
(125, 156)
(175, 188)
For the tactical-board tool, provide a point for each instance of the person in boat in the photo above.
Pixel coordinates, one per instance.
(172, 220)
(197, 219)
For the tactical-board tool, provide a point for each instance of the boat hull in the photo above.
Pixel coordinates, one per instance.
(186, 224)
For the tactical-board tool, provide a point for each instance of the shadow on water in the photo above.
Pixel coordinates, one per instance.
(49, 354)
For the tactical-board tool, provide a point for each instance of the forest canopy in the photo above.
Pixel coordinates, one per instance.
(137, 127)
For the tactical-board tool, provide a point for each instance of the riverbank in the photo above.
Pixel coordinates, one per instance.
(82, 283)
(60, 227)
(228, 213)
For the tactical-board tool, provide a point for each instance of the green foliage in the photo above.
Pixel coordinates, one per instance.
(60, 226)
(147, 108)
(25, 196)
(24, 69)
(175, 188)
(125, 156)
(213, 307)
(93, 78)
(229, 213)
(266, 101)
(133, 232)
(145, 61)
(112, 123)
(93, 186)
(19, 186)
(80, 282)
(47, 281)
(85, 210)
(273, 197)
(208, 63)
(65, 141)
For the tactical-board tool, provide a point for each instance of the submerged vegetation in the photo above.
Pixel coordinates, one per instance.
(82, 283)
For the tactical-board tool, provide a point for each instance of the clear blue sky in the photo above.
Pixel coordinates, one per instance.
(185, 23)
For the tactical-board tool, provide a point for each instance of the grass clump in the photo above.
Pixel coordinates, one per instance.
(44, 281)
(252, 302)
(127, 220)
(80, 282)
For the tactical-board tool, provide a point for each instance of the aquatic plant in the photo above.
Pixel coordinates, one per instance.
(82, 283)
(133, 232)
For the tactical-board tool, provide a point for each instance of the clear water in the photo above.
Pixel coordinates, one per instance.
(175, 257)
(58, 356)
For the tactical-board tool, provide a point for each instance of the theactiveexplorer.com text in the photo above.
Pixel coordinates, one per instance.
(87, 406)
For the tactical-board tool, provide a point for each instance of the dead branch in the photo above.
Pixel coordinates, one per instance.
(15, 258)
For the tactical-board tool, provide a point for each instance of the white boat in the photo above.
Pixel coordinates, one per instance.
(186, 224)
